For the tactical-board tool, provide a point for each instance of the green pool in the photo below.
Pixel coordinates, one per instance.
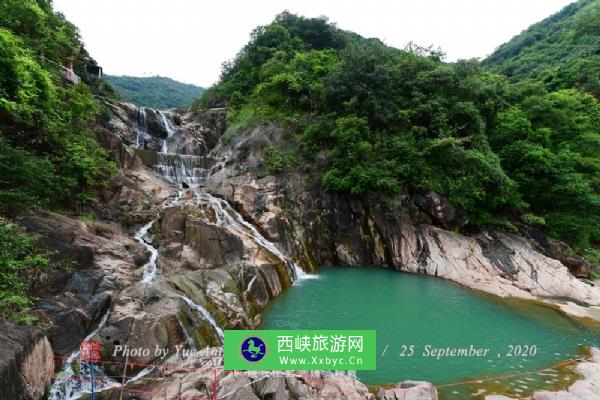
(433, 315)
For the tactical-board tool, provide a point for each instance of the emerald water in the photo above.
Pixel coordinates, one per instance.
(417, 310)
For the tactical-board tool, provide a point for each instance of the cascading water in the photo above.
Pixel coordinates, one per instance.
(179, 168)
(226, 215)
(169, 128)
(151, 268)
(205, 315)
(70, 385)
(141, 128)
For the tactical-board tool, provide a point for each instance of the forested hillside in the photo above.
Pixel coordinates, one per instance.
(48, 154)
(156, 92)
(562, 51)
(388, 121)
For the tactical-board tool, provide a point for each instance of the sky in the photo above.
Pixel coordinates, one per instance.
(188, 40)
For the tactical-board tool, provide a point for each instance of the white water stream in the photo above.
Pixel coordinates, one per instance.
(177, 168)
(227, 216)
(169, 128)
(71, 385)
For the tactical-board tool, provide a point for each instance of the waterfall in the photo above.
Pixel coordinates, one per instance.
(204, 314)
(168, 127)
(180, 168)
(151, 268)
(70, 385)
(141, 127)
(227, 216)
(188, 339)
(73, 385)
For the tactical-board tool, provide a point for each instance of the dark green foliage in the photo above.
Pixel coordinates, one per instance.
(24, 179)
(49, 156)
(563, 51)
(277, 160)
(155, 92)
(550, 145)
(21, 265)
(390, 121)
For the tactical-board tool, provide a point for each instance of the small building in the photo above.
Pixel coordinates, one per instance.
(95, 71)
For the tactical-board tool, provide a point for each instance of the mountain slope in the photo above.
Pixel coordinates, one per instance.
(563, 51)
(369, 119)
(48, 153)
(156, 92)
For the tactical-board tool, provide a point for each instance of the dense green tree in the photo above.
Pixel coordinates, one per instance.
(22, 263)
(562, 51)
(393, 120)
(48, 154)
(44, 122)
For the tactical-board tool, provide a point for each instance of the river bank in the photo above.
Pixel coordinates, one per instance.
(166, 270)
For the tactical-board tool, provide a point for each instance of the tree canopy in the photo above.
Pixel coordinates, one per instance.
(562, 51)
(392, 121)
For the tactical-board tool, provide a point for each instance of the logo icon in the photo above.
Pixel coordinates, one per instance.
(253, 349)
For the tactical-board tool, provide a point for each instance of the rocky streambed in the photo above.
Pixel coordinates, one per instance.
(152, 269)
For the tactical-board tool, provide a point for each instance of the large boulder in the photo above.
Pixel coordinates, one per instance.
(26, 362)
(409, 390)
(213, 244)
(441, 211)
(255, 291)
(556, 249)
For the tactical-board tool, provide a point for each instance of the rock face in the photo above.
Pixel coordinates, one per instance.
(26, 362)
(299, 385)
(219, 266)
(103, 259)
(197, 133)
(209, 265)
(320, 228)
(440, 210)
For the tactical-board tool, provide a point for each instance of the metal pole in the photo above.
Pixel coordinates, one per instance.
(214, 384)
(92, 379)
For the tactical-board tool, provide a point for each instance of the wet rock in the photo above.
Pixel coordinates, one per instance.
(212, 243)
(155, 127)
(26, 362)
(271, 278)
(173, 222)
(82, 283)
(320, 228)
(255, 289)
